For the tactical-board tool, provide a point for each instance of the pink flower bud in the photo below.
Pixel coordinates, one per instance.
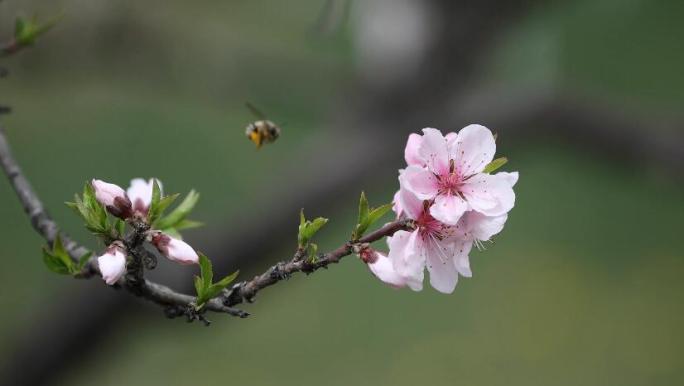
(176, 250)
(140, 194)
(113, 198)
(112, 264)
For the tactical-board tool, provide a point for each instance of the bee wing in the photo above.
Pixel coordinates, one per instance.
(257, 113)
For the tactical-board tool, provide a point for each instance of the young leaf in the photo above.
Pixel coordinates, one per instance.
(368, 217)
(179, 214)
(363, 208)
(206, 271)
(377, 213)
(58, 260)
(494, 165)
(307, 229)
(82, 261)
(206, 290)
(153, 212)
(120, 226)
(223, 283)
(187, 224)
(312, 251)
(54, 263)
(94, 215)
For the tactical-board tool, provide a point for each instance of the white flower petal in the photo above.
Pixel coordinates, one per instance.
(433, 150)
(419, 181)
(473, 150)
(448, 208)
(406, 258)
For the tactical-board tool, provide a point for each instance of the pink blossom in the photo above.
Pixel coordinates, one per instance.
(112, 264)
(113, 198)
(432, 244)
(452, 175)
(140, 193)
(176, 250)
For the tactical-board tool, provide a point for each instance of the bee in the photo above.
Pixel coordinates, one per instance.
(261, 131)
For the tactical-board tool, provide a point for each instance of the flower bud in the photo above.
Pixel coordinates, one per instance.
(140, 194)
(112, 263)
(113, 198)
(176, 250)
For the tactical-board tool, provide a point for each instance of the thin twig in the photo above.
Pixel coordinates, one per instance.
(48, 229)
(175, 303)
(246, 291)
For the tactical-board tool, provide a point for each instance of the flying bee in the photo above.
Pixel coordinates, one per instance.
(261, 131)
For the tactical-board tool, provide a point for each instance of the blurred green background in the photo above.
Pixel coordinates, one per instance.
(583, 287)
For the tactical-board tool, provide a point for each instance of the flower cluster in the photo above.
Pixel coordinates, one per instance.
(454, 201)
(134, 205)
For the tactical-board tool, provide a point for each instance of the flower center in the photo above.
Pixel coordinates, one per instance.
(428, 226)
(451, 182)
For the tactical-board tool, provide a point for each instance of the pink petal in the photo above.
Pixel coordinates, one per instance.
(491, 195)
(411, 154)
(443, 274)
(481, 227)
(433, 150)
(511, 177)
(420, 182)
(383, 269)
(407, 259)
(473, 150)
(461, 259)
(396, 204)
(112, 265)
(410, 205)
(448, 208)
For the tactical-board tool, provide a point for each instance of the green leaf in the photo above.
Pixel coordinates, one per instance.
(367, 217)
(58, 259)
(363, 208)
(94, 215)
(223, 283)
(377, 213)
(307, 229)
(199, 286)
(315, 226)
(494, 165)
(206, 271)
(54, 264)
(120, 226)
(27, 31)
(82, 261)
(179, 213)
(153, 212)
(312, 251)
(188, 224)
(206, 290)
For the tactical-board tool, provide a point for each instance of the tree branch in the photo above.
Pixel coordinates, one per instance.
(176, 304)
(246, 291)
